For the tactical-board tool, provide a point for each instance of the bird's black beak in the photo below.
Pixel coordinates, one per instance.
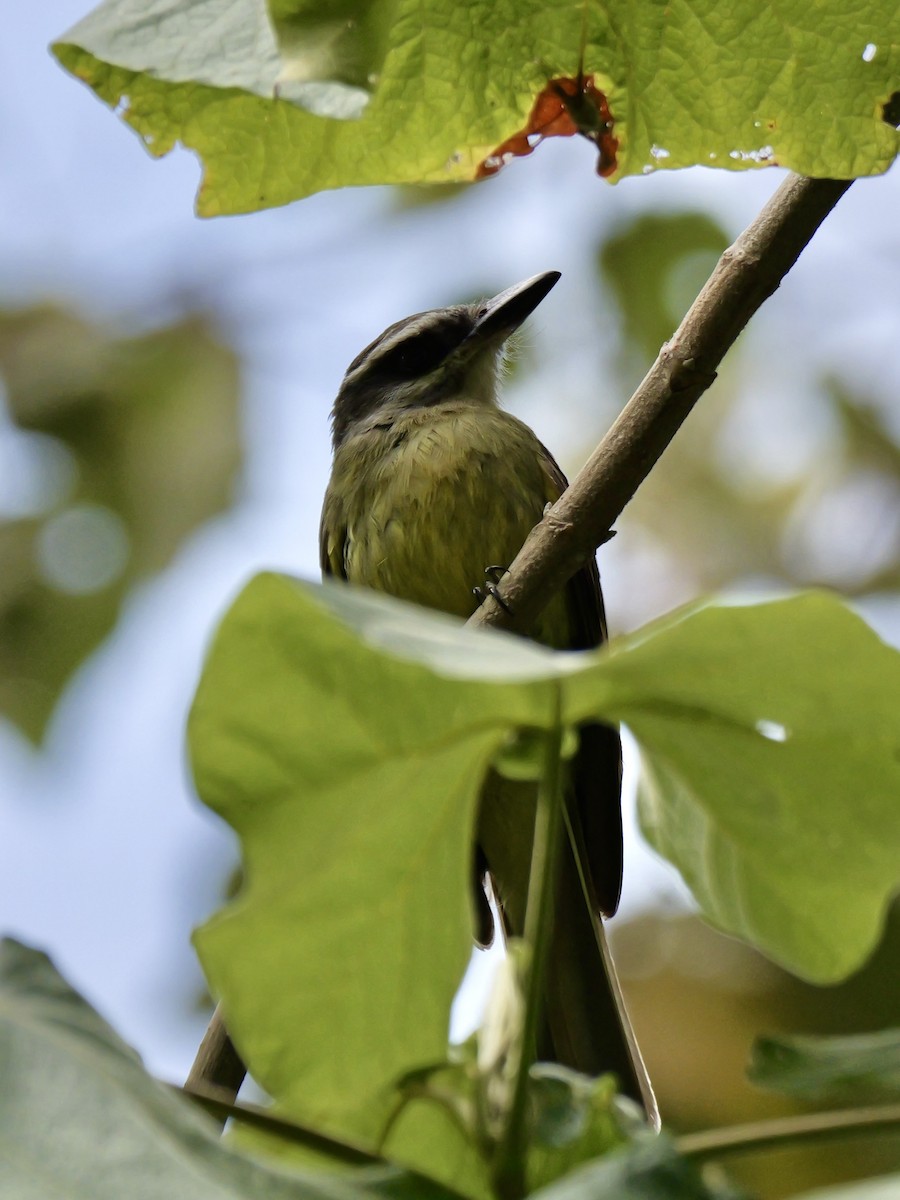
(509, 309)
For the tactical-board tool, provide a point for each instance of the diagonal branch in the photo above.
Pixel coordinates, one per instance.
(747, 274)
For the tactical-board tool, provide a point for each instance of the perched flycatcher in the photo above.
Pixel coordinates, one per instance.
(433, 485)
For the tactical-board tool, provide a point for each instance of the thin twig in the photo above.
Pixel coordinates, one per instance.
(580, 521)
(215, 1100)
(217, 1063)
(781, 1131)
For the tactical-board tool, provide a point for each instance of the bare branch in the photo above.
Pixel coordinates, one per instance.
(746, 275)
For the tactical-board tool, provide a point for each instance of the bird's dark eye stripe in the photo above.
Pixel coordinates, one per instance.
(417, 355)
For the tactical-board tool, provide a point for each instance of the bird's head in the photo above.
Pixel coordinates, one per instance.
(435, 356)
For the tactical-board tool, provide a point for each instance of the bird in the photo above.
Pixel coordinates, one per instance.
(433, 490)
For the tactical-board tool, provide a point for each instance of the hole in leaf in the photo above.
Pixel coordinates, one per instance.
(773, 731)
(566, 106)
(891, 111)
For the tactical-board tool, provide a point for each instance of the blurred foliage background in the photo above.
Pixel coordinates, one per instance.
(165, 391)
(123, 446)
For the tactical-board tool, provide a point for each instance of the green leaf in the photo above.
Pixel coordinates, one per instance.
(345, 736)
(351, 778)
(649, 1169)
(80, 1117)
(575, 1119)
(771, 754)
(424, 1130)
(689, 82)
(817, 1066)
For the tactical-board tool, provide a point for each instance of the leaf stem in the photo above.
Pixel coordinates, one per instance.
(218, 1102)
(762, 1135)
(510, 1158)
(214, 1100)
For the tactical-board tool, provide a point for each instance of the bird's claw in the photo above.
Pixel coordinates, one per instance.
(492, 575)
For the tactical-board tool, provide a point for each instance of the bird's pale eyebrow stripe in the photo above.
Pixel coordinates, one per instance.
(447, 326)
(374, 353)
(384, 343)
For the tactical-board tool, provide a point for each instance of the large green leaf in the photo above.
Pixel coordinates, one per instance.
(344, 735)
(80, 1117)
(771, 752)
(693, 81)
(351, 777)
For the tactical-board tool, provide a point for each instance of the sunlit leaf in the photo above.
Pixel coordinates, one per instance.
(240, 83)
(353, 929)
(772, 766)
(345, 735)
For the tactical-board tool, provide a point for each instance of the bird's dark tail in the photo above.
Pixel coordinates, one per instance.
(586, 1025)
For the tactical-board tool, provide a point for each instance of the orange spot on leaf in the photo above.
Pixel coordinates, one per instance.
(566, 106)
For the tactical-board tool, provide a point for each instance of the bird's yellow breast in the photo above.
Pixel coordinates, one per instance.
(421, 506)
